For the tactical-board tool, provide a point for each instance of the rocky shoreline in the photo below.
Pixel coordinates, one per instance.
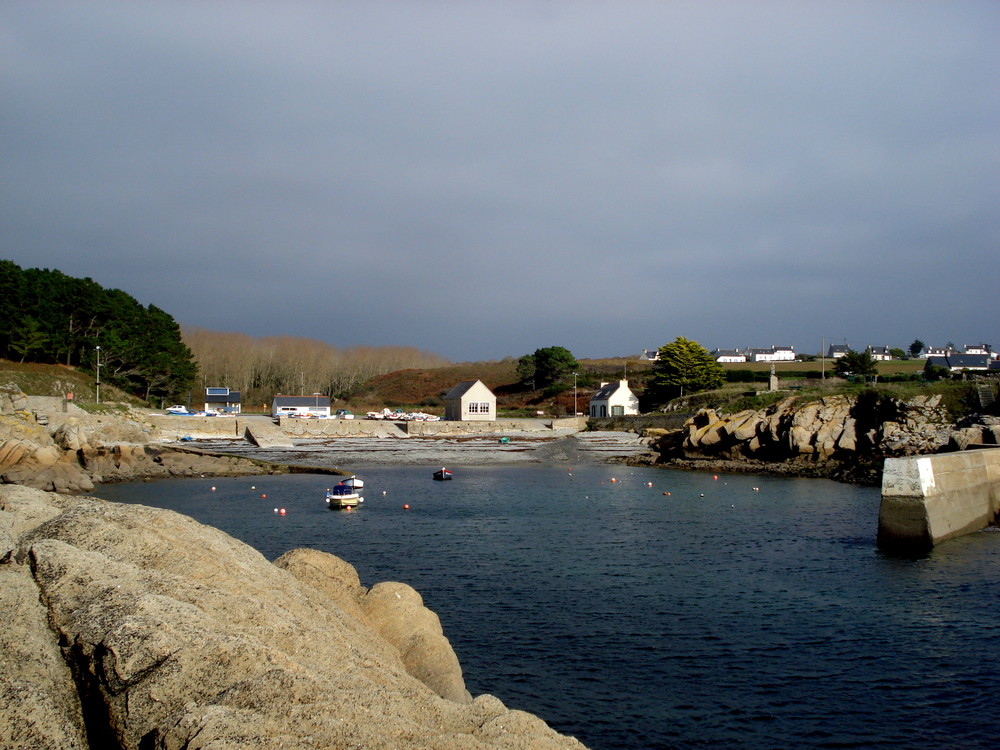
(838, 437)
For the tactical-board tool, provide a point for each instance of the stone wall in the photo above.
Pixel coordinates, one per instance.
(927, 499)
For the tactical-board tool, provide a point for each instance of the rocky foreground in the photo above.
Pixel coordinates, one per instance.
(134, 627)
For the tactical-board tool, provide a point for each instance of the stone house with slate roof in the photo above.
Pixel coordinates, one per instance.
(470, 400)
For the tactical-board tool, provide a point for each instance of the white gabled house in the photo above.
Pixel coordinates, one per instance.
(934, 351)
(774, 354)
(729, 355)
(978, 349)
(470, 400)
(614, 400)
(300, 406)
(836, 351)
(879, 353)
(650, 355)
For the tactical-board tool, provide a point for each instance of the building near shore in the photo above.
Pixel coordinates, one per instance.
(470, 400)
(222, 400)
(300, 406)
(614, 400)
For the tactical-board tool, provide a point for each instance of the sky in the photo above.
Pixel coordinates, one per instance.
(483, 179)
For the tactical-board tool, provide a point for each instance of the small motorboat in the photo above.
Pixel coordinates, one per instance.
(442, 475)
(354, 483)
(343, 496)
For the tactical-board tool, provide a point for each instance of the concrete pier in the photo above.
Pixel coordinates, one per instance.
(928, 499)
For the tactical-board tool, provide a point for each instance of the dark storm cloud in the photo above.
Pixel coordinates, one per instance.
(484, 179)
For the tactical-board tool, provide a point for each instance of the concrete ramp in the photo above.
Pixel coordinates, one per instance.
(265, 434)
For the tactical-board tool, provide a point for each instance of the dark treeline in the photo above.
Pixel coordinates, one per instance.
(47, 316)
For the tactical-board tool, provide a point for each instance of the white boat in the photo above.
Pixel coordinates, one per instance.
(354, 483)
(343, 496)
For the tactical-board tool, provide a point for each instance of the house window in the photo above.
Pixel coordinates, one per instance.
(484, 408)
(617, 411)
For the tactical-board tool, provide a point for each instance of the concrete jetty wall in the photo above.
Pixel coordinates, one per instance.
(927, 499)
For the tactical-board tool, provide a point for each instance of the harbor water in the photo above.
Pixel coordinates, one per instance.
(638, 608)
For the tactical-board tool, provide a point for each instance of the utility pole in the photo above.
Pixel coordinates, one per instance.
(574, 395)
(98, 350)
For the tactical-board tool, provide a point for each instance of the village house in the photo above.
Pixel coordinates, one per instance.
(222, 400)
(979, 349)
(650, 355)
(614, 400)
(300, 406)
(470, 400)
(879, 353)
(935, 351)
(836, 351)
(729, 355)
(957, 362)
(774, 354)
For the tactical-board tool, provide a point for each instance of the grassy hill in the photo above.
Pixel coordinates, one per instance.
(58, 380)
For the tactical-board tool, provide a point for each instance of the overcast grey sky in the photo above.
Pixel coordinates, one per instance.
(483, 179)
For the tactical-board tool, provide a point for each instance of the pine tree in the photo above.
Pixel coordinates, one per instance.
(683, 366)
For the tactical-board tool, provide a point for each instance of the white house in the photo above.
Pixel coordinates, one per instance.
(836, 351)
(729, 355)
(978, 349)
(470, 400)
(774, 354)
(879, 353)
(614, 400)
(650, 355)
(300, 406)
(935, 351)
(222, 400)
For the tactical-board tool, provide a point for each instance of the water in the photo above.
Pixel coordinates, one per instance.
(718, 615)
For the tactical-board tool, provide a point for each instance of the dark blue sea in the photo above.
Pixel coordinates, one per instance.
(738, 611)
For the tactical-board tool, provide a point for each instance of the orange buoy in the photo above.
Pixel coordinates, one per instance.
(264, 496)
(406, 507)
(281, 512)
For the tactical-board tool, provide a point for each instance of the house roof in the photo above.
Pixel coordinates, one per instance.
(961, 361)
(280, 400)
(464, 387)
(607, 390)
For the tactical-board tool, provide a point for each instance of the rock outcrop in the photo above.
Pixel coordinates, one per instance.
(51, 450)
(837, 436)
(134, 627)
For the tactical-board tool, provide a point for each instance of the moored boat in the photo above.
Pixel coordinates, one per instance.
(442, 475)
(343, 496)
(354, 483)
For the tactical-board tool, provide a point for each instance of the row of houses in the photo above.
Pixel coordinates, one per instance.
(787, 353)
(470, 400)
(768, 354)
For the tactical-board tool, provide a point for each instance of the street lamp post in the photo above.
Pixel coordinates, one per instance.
(98, 350)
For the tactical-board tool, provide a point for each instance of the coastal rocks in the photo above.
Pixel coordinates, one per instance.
(71, 454)
(836, 430)
(140, 628)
